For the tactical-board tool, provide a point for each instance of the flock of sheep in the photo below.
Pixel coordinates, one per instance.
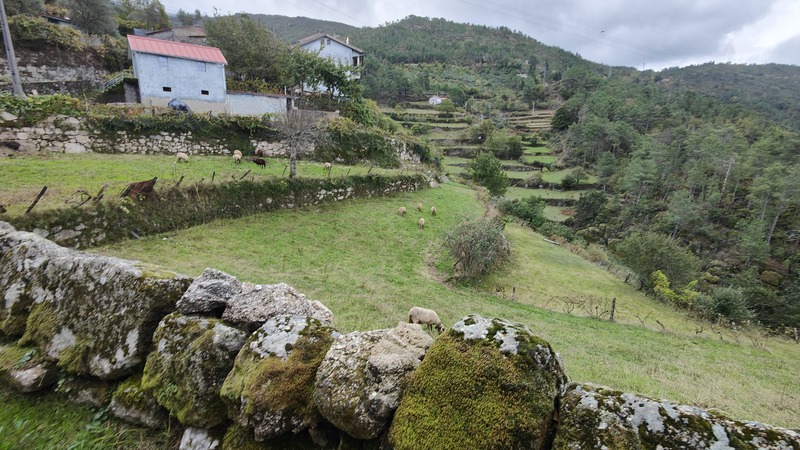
(421, 224)
(182, 157)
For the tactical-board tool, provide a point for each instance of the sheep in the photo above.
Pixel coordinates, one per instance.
(425, 317)
(181, 157)
(237, 159)
(433, 210)
(327, 168)
(259, 162)
(421, 223)
(402, 211)
(259, 152)
(419, 207)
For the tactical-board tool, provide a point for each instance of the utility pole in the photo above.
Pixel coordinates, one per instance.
(12, 59)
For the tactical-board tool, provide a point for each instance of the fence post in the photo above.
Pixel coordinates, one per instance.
(613, 308)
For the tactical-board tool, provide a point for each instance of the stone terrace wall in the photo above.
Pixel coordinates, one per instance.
(200, 353)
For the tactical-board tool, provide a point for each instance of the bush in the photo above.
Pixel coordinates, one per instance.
(34, 31)
(477, 247)
(727, 302)
(647, 252)
(487, 171)
(530, 209)
(589, 205)
(554, 229)
(36, 108)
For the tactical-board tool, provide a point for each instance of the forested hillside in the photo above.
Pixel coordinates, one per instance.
(773, 89)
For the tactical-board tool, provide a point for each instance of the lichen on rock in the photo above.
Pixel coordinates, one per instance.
(270, 389)
(485, 383)
(257, 303)
(599, 417)
(190, 360)
(209, 292)
(362, 378)
(93, 315)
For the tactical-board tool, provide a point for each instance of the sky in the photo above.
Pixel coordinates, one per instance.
(645, 34)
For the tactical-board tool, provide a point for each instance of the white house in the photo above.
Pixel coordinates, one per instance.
(335, 48)
(165, 70)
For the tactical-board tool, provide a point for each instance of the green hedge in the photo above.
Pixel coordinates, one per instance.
(36, 108)
(173, 209)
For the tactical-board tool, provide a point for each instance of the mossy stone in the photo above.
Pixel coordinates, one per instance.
(185, 371)
(486, 383)
(271, 386)
(137, 405)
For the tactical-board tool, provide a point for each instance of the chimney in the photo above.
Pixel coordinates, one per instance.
(347, 40)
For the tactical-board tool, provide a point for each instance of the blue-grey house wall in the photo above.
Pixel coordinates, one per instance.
(200, 84)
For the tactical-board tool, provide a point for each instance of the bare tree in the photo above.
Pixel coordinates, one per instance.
(300, 129)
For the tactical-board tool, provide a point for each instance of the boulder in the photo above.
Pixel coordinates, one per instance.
(199, 439)
(485, 383)
(270, 387)
(257, 303)
(85, 391)
(361, 380)
(238, 437)
(135, 405)
(210, 292)
(191, 358)
(599, 417)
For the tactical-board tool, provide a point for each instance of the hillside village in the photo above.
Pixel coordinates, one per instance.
(592, 241)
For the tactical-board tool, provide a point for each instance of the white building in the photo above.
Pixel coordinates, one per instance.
(192, 73)
(336, 49)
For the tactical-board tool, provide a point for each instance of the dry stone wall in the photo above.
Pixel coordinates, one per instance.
(279, 377)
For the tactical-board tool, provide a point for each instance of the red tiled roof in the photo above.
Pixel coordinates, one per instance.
(176, 49)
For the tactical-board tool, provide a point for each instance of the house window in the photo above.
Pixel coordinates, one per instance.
(166, 89)
(201, 66)
(321, 44)
(204, 92)
(163, 62)
(355, 61)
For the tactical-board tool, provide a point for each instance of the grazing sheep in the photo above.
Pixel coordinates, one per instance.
(419, 207)
(181, 157)
(425, 317)
(433, 210)
(237, 158)
(421, 223)
(402, 211)
(259, 162)
(327, 168)
(259, 152)
(237, 152)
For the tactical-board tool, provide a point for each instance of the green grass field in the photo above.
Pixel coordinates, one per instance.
(22, 178)
(544, 159)
(370, 265)
(555, 213)
(514, 193)
(535, 151)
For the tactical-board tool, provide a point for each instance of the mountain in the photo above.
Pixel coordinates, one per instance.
(292, 29)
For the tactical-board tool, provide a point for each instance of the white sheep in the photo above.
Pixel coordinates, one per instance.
(433, 210)
(181, 157)
(425, 317)
(327, 168)
(237, 159)
(419, 207)
(402, 211)
(421, 223)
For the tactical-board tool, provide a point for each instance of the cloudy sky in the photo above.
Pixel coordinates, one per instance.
(638, 33)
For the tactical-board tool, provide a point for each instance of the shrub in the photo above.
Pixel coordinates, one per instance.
(36, 108)
(647, 252)
(728, 302)
(419, 129)
(487, 171)
(477, 247)
(551, 229)
(530, 209)
(588, 207)
(33, 31)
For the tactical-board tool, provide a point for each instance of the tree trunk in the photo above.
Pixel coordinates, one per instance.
(293, 162)
(774, 223)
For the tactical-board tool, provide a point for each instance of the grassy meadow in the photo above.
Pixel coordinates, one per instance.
(22, 178)
(370, 265)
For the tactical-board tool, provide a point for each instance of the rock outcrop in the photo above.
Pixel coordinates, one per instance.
(191, 358)
(362, 378)
(257, 303)
(599, 417)
(209, 292)
(485, 383)
(270, 389)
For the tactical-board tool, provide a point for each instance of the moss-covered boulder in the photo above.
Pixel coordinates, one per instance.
(485, 383)
(92, 314)
(21, 256)
(241, 438)
(209, 292)
(200, 439)
(257, 303)
(191, 358)
(361, 380)
(595, 417)
(85, 390)
(271, 386)
(136, 405)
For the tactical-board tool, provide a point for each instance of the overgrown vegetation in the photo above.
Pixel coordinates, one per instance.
(476, 247)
